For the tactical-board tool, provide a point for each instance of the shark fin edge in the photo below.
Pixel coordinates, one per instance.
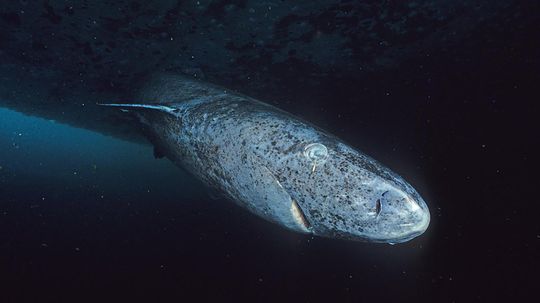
(135, 106)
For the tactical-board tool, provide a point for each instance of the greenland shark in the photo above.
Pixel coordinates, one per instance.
(275, 165)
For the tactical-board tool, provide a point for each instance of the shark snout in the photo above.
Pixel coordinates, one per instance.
(404, 216)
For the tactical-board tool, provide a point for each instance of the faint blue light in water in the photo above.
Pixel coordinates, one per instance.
(44, 148)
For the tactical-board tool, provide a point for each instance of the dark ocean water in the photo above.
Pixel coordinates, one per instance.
(86, 217)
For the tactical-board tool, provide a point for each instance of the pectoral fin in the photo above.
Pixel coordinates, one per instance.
(266, 196)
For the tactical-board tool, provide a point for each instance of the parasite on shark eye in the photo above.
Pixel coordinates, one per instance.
(316, 152)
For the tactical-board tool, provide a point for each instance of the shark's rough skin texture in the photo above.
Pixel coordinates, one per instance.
(276, 165)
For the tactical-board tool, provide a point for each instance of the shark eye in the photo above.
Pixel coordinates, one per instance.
(316, 152)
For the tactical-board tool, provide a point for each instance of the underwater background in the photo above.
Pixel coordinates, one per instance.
(445, 93)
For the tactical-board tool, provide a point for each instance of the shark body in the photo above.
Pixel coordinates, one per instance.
(277, 166)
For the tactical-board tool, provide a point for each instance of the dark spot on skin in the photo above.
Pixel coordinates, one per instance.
(378, 206)
(315, 213)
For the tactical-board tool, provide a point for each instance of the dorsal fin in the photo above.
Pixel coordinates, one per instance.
(128, 106)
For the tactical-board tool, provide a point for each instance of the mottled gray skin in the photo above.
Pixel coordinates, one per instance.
(278, 166)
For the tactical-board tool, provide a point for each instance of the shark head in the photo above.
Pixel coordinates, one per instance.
(341, 193)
